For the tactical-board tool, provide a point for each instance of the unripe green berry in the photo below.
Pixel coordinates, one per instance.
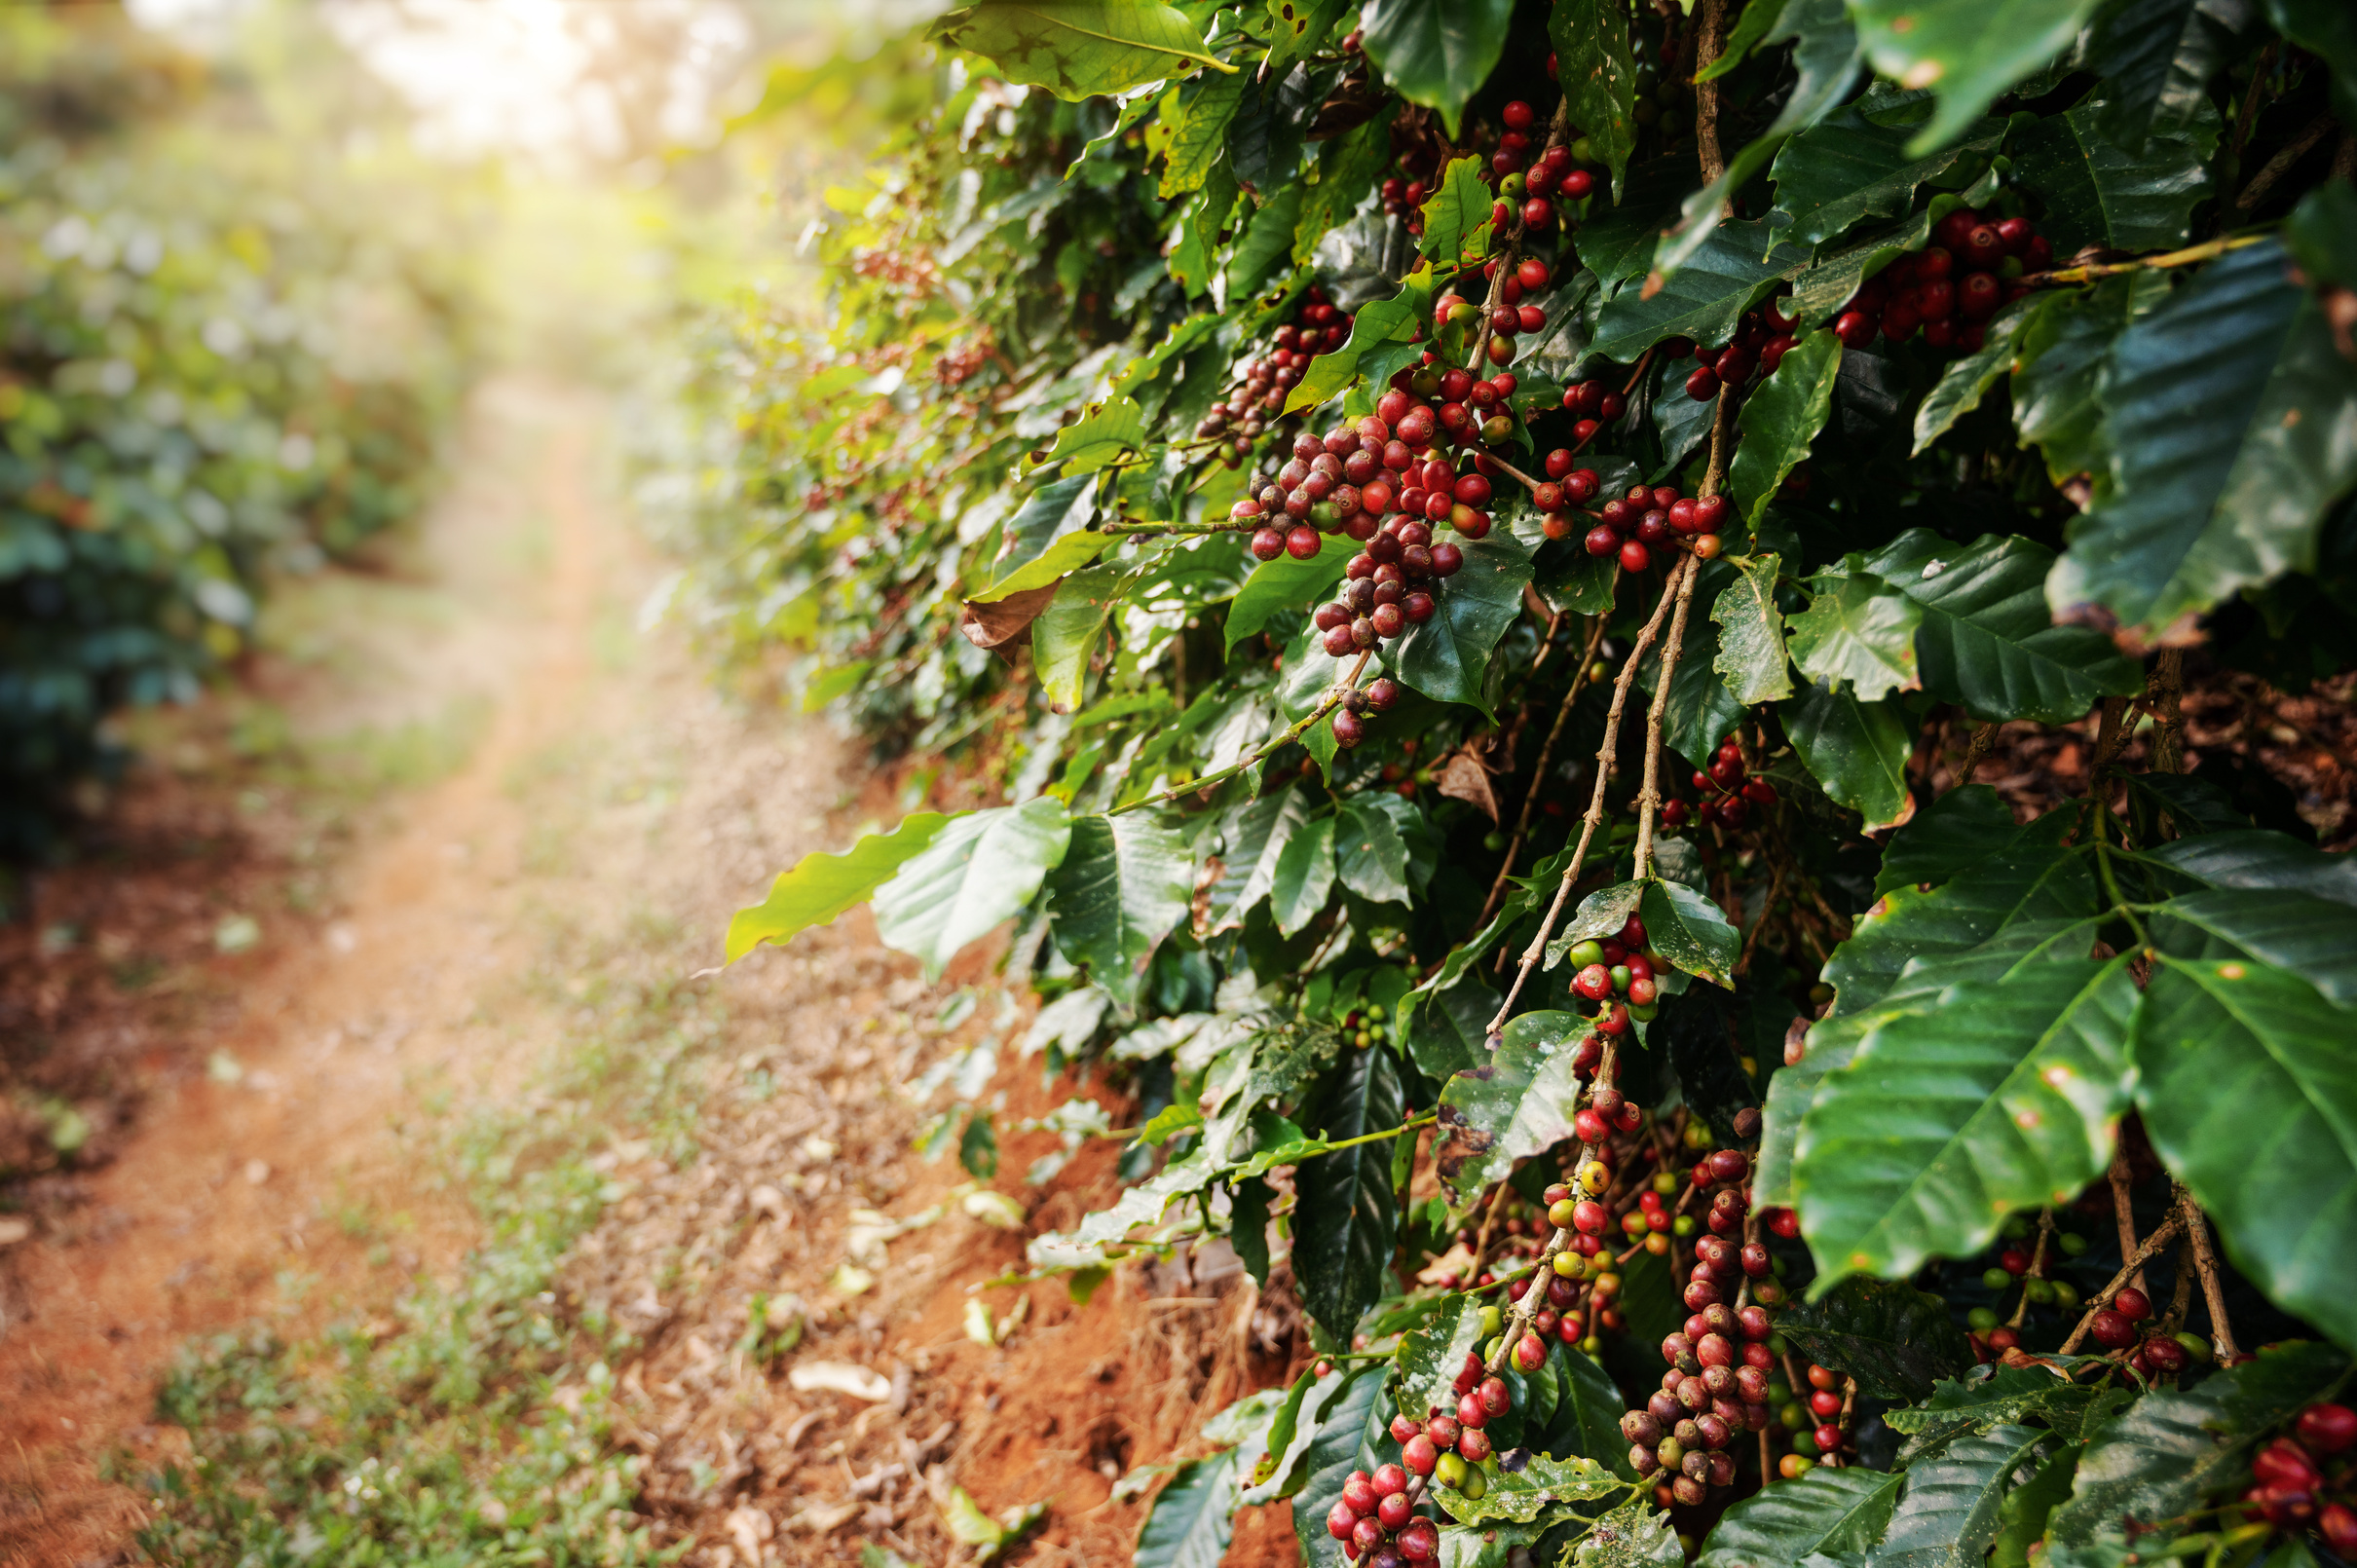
(1995, 1278)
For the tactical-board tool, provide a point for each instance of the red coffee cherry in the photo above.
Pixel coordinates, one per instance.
(2328, 1428)
(1635, 557)
(2132, 1304)
(2113, 1331)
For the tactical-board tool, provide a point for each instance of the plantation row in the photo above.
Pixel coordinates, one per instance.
(1481, 549)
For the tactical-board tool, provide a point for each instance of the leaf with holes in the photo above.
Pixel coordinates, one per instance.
(1894, 1339)
(1518, 1103)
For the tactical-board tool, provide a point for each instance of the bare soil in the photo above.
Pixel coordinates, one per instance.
(255, 1153)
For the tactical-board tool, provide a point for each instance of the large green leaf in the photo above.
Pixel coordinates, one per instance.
(979, 870)
(1447, 657)
(2326, 29)
(2313, 938)
(1282, 585)
(2156, 59)
(1587, 1412)
(2161, 1456)
(2000, 1096)
(1267, 240)
(1109, 431)
(1781, 419)
(1518, 1103)
(1969, 51)
(1617, 243)
(1431, 1357)
(1857, 751)
(1519, 1494)
(1858, 631)
(2007, 1394)
(1346, 1441)
(1960, 830)
(2022, 1519)
(1369, 854)
(1123, 883)
(2254, 858)
(2098, 193)
(1436, 52)
(2064, 354)
(1950, 1512)
(1304, 875)
(1828, 1512)
(1193, 1517)
(1598, 72)
(1987, 641)
(2249, 1090)
(1633, 1535)
(1384, 335)
(1046, 537)
(1456, 216)
(820, 887)
(1894, 1339)
(1690, 931)
(1701, 300)
(1751, 659)
(1078, 49)
(1065, 636)
(1252, 835)
(1300, 28)
(1344, 1214)
(2234, 425)
(1205, 106)
(1854, 164)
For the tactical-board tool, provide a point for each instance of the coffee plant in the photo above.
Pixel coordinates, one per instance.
(1481, 548)
(219, 359)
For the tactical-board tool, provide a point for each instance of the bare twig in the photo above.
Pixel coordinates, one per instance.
(1596, 801)
(2190, 254)
(1976, 752)
(2275, 168)
(2132, 1269)
(2166, 690)
(1649, 797)
(1537, 779)
(2205, 1264)
(2119, 1178)
(1712, 20)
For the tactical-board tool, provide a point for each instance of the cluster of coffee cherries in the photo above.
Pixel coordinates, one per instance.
(1511, 318)
(1593, 405)
(1375, 1518)
(2292, 1486)
(1318, 326)
(1649, 517)
(1949, 289)
(1728, 796)
(2127, 1324)
(1615, 968)
(1526, 189)
(1761, 340)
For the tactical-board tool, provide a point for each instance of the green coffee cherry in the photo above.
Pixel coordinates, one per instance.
(1982, 1318)
(1994, 1278)
(1452, 1471)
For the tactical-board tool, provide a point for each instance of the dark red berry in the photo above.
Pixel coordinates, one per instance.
(1635, 557)
(2328, 1428)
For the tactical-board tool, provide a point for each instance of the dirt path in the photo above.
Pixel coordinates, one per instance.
(613, 812)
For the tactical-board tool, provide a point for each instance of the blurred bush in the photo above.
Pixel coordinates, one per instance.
(234, 320)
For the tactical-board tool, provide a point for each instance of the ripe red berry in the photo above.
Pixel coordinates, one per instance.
(1531, 317)
(1359, 1494)
(1539, 212)
(1404, 1428)
(2328, 1428)
(1979, 296)
(1829, 1437)
(1349, 729)
(1532, 272)
(1390, 1479)
(1494, 1395)
(1302, 541)
(1472, 1445)
(2113, 1331)
(1395, 1510)
(1470, 1412)
(1517, 115)
(1601, 541)
(1340, 1521)
(1855, 328)
(2133, 1304)
(1635, 557)
(1267, 543)
(1530, 1352)
(1578, 183)
(1420, 1541)
(1703, 385)
(1367, 1535)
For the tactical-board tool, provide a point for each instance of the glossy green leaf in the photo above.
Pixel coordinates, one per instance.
(2249, 1091)
(1447, 657)
(1304, 875)
(1856, 751)
(1344, 1215)
(1436, 52)
(1518, 1103)
(2064, 356)
(2170, 1449)
(820, 887)
(2098, 193)
(2156, 59)
(1518, 1496)
(1078, 49)
(1950, 1510)
(1968, 52)
(1124, 882)
(1828, 1512)
(1751, 660)
(1780, 420)
(1384, 335)
(2021, 1521)
(1457, 216)
(2326, 29)
(1587, 1418)
(1966, 381)
(1267, 241)
(1056, 515)
(1894, 1339)
(1856, 165)
(1282, 585)
(1192, 1519)
(2313, 938)
(1103, 435)
(1999, 1098)
(2031, 883)
(979, 869)
(1701, 300)
(2004, 1393)
(1596, 65)
(2233, 427)
(1206, 104)
(1956, 832)
(1858, 633)
(1691, 932)
(2254, 858)
(1617, 243)
(1346, 1441)
(1348, 165)
(1065, 636)
(1300, 28)
(1370, 855)
(1987, 641)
